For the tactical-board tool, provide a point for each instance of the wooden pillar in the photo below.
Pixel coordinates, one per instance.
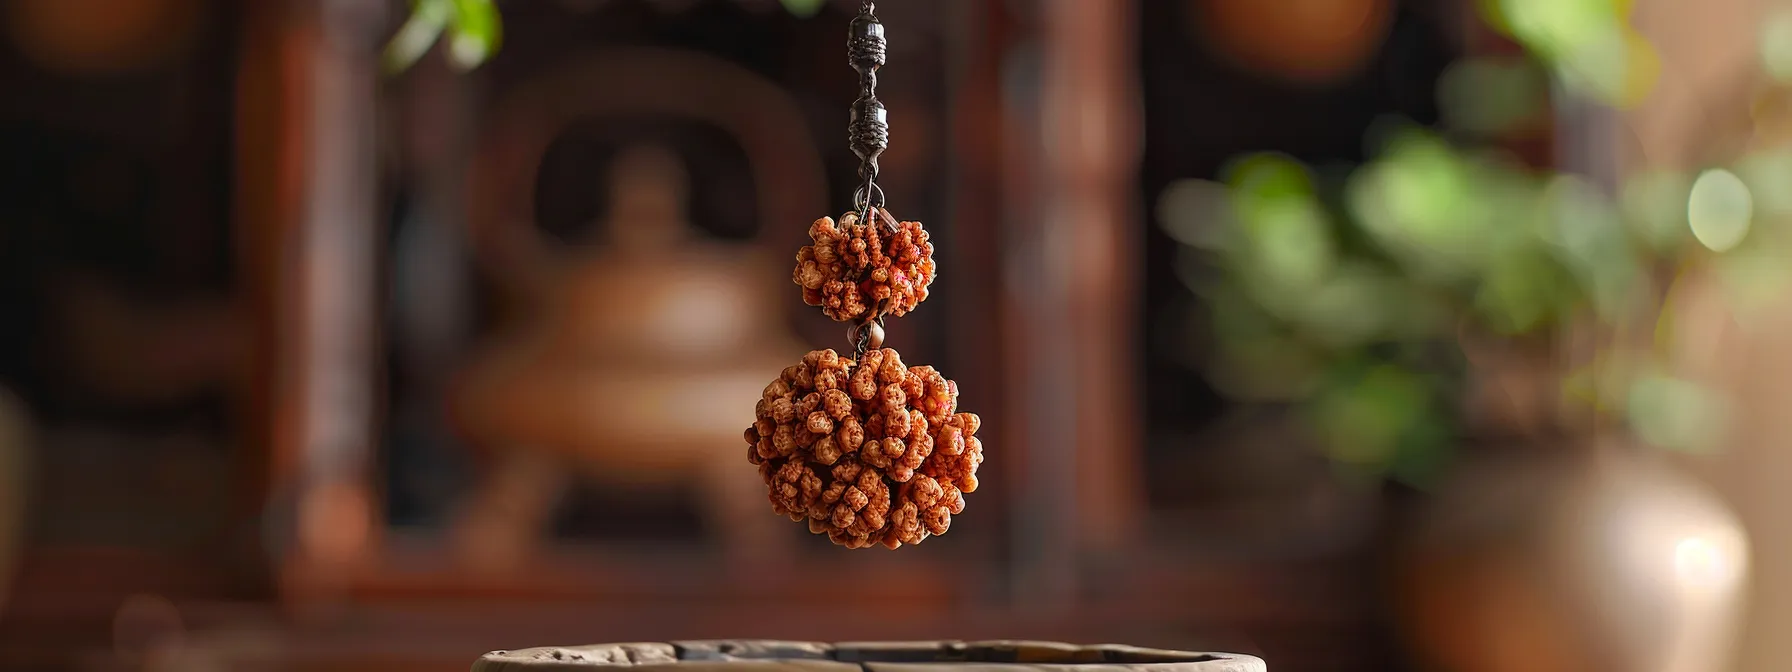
(270, 154)
(1092, 143)
(308, 235)
(336, 287)
(977, 37)
(1071, 277)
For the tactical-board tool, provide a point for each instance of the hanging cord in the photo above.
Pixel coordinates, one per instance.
(869, 131)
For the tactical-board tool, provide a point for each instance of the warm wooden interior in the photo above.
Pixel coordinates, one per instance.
(327, 560)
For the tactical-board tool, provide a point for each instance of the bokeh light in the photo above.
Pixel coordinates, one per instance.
(1776, 46)
(1719, 209)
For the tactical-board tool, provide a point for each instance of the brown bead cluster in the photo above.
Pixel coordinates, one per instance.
(868, 453)
(857, 270)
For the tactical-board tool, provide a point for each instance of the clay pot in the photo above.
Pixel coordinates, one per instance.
(1566, 560)
(103, 36)
(770, 656)
(1305, 41)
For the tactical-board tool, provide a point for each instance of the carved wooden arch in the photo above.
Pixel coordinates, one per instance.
(785, 166)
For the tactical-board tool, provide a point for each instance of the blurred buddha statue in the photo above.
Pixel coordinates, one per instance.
(640, 371)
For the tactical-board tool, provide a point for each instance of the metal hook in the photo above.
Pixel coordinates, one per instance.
(860, 201)
(866, 197)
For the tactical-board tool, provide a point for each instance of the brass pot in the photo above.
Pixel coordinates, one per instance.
(1571, 560)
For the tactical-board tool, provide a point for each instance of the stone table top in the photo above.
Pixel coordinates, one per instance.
(785, 656)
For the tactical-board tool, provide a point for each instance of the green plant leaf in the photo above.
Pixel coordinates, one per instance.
(1491, 94)
(427, 21)
(1266, 177)
(1290, 244)
(1522, 293)
(1254, 358)
(1196, 213)
(476, 33)
(1371, 412)
(804, 8)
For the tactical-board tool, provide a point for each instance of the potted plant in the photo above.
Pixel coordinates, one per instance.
(1498, 337)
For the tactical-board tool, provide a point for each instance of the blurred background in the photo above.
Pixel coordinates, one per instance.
(1353, 334)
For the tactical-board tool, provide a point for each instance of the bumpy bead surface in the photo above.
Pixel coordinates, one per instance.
(867, 454)
(855, 271)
